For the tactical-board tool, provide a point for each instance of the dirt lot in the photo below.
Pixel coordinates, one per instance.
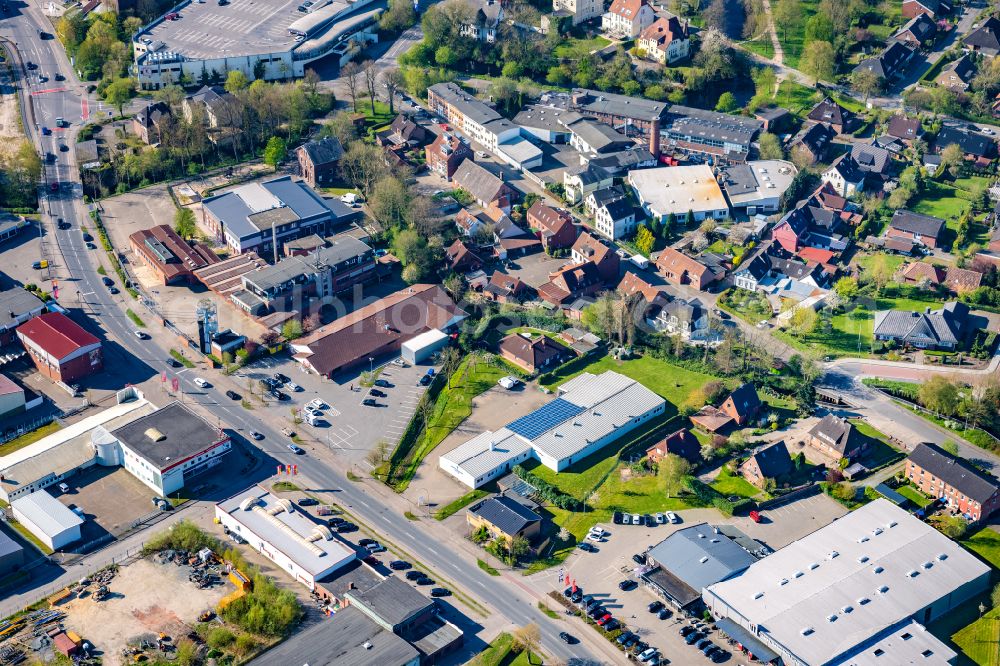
(145, 598)
(491, 410)
(10, 117)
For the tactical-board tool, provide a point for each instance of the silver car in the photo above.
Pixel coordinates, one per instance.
(636, 519)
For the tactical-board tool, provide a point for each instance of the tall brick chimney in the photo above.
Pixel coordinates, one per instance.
(654, 138)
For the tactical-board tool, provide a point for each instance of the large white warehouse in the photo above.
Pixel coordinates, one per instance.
(591, 412)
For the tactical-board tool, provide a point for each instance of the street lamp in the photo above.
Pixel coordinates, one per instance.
(371, 365)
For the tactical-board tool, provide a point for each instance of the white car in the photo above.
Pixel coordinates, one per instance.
(595, 538)
(599, 531)
(293, 386)
(636, 519)
(509, 382)
(201, 382)
(988, 131)
(316, 404)
(673, 518)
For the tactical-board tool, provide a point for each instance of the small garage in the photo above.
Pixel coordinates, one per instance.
(420, 348)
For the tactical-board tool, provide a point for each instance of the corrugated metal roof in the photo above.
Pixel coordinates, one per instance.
(477, 457)
(47, 513)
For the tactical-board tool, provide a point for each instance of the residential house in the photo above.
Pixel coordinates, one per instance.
(602, 196)
(679, 268)
(405, 132)
(591, 137)
(474, 117)
(571, 283)
(919, 31)
(631, 285)
(579, 10)
(813, 141)
(832, 114)
(446, 153)
(679, 443)
(555, 226)
(938, 329)
(845, 176)
(504, 518)
(919, 272)
(974, 145)
(932, 8)
(960, 280)
(217, 106)
(985, 39)
(687, 318)
(511, 240)
(503, 288)
(461, 259)
(890, 63)
(318, 160)
(615, 219)
(742, 405)
(589, 248)
(923, 229)
(905, 128)
(957, 75)
(890, 143)
(873, 161)
(148, 123)
(767, 464)
(627, 18)
(533, 354)
(485, 23)
(834, 438)
(666, 40)
(486, 188)
(966, 490)
(486, 225)
(579, 182)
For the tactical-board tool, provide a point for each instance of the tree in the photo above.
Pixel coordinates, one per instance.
(184, 223)
(379, 453)
(803, 321)
(770, 147)
(644, 240)
(399, 16)
(292, 329)
(951, 158)
(879, 272)
(119, 92)
(363, 165)
(950, 446)
(846, 288)
(527, 638)
(787, 15)
(726, 103)
(393, 81)
(131, 25)
(275, 151)
(866, 83)
(995, 596)
(671, 472)
(519, 547)
(236, 82)
(370, 71)
(351, 76)
(939, 395)
(818, 61)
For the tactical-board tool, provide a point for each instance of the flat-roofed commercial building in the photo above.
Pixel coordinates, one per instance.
(591, 412)
(854, 592)
(276, 529)
(677, 190)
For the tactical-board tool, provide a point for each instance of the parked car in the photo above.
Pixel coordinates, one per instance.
(673, 518)
(623, 637)
(693, 637)
(382, 383)
(660, 519)
(654, 606)
(201, 382)
(292, 386)
(399, 565)
(601, 621)
(639, 558)
(425, 581)
(413, 574)
(685, 630)
(256, 435)
(664, 614)
(616, 517)
(586, 547)
(648, 654)
(296, 450)
(627, 584)
(636, 519)
(703, 643)
(610, 625)
(284, 379)
(346, 527)
(648, 520)
(308, 501)
(424, 380)
(106, 281)
(366, 541)
(566, 638)
(440, 592)
(378, 394)
(369, 402)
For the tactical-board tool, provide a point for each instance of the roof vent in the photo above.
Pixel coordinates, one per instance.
(863, 539)
(701, 535)
(799, 574)
(154, 435)
(833, 554)
(912, 573)
(704, 558)
(813, 566)
(847, 609)
(758, 595)
(367, 645)
(942, 557)
(862, 559)
(863, 600)
(831, 618)
(877, 531)
(807, 631)
(927, 565)
(878, 570)
(884, 589)
(892, 524)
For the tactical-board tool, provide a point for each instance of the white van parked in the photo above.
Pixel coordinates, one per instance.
(640, 261)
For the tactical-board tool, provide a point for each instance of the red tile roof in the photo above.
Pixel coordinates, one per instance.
(816, 254)
(56, 334)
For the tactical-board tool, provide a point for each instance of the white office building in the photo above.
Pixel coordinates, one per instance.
(591, 412)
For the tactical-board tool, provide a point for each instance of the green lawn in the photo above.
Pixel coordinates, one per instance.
(750, 306)
(729, 484)
(949, 202)
(892, 261)
(666, 379)
(844, 336)
(792, 37)
(914, 495)
(795, 97)
(980, 641)
(880, 453)
(762, 46)
(459, 504)
(28, 438)
(573, 48)
(986, 543)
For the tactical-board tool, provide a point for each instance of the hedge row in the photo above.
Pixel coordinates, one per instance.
(549, 492)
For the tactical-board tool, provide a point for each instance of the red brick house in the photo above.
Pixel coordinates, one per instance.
(834, 438)
(742, 404)
(445, 153)
(318, 161)
(769, 462)
(932, 8)
(680, 443)
(504, 288)
(571, 283)
(923, 229)
(60, 348)
(169, 256)
(555, 226)
(533, 354)
(590, 248)
(679, 268)
(461, 259)
(966, 490)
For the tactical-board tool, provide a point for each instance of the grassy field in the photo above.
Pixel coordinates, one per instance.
(892, 261)
(846, 334)
(730, 484)
(949, 201)
(459, 504)
(914, 495)
(573, 48)
(762, 46)
(792, 37)
(985, 543)
(880, 452)
(980, 641)
(795, 97)
(28, 438)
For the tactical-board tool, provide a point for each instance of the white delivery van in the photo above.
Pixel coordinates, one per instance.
(640, 261)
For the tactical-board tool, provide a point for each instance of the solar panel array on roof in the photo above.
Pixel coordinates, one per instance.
(537, 423)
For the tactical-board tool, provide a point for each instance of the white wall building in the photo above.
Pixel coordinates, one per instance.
(615, 219)
(277, 529)
(51, 521)
(579, 10)
(591, 412)
(627, 18)
(854, 592)
(419, 349)
(678, 190)
(757, 186)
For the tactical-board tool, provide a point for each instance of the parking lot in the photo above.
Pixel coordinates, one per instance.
(110, 498)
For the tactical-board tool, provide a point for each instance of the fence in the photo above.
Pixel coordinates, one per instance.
(25, 428)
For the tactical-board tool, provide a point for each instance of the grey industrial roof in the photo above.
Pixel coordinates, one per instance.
(249, 209)
(830, 591)
(700, 555)
(17, 301)
(46, 513)
(536, 116)
(289, 531)
(8, 546)
(955, 472)
(477, 180)
(349, 637)
(392, 600)
(906, 643)
(597, 135)
(700, 123)
(597, 101)
(507, 515)
(472, 108)
(184, 434)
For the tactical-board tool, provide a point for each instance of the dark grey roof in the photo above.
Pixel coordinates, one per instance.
(599, 136)
(700, 125)
(597, 101)
(758, 267)
(8, 546)
(472, 108)
(888, 63)
(921, 26)
(830, 112)
(619, 209)
(773, 460)
(684, 311)
(793, 268)
(870, 159)
(607, 194)
(507, 515)
(18, 302)
(963, 68)
(936, 327)
(392, 601)
(184, 434)
(915, 223)
(849, 169)
(833, 431)
(325, 151)
(971, 143)
(297, 201)
(699, 556)
(214, 97)
(986, 36)
(616, 162)
(349, 637)
(816, 137)
(904, 127)
(956, 472)
(152, 113)
(771, 113)
(477, 181)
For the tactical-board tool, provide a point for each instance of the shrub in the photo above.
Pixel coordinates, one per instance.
(549, 492)
(220, 638)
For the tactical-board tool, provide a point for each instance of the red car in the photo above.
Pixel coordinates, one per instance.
(444, 126)
(604, 619)
(755, 516)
